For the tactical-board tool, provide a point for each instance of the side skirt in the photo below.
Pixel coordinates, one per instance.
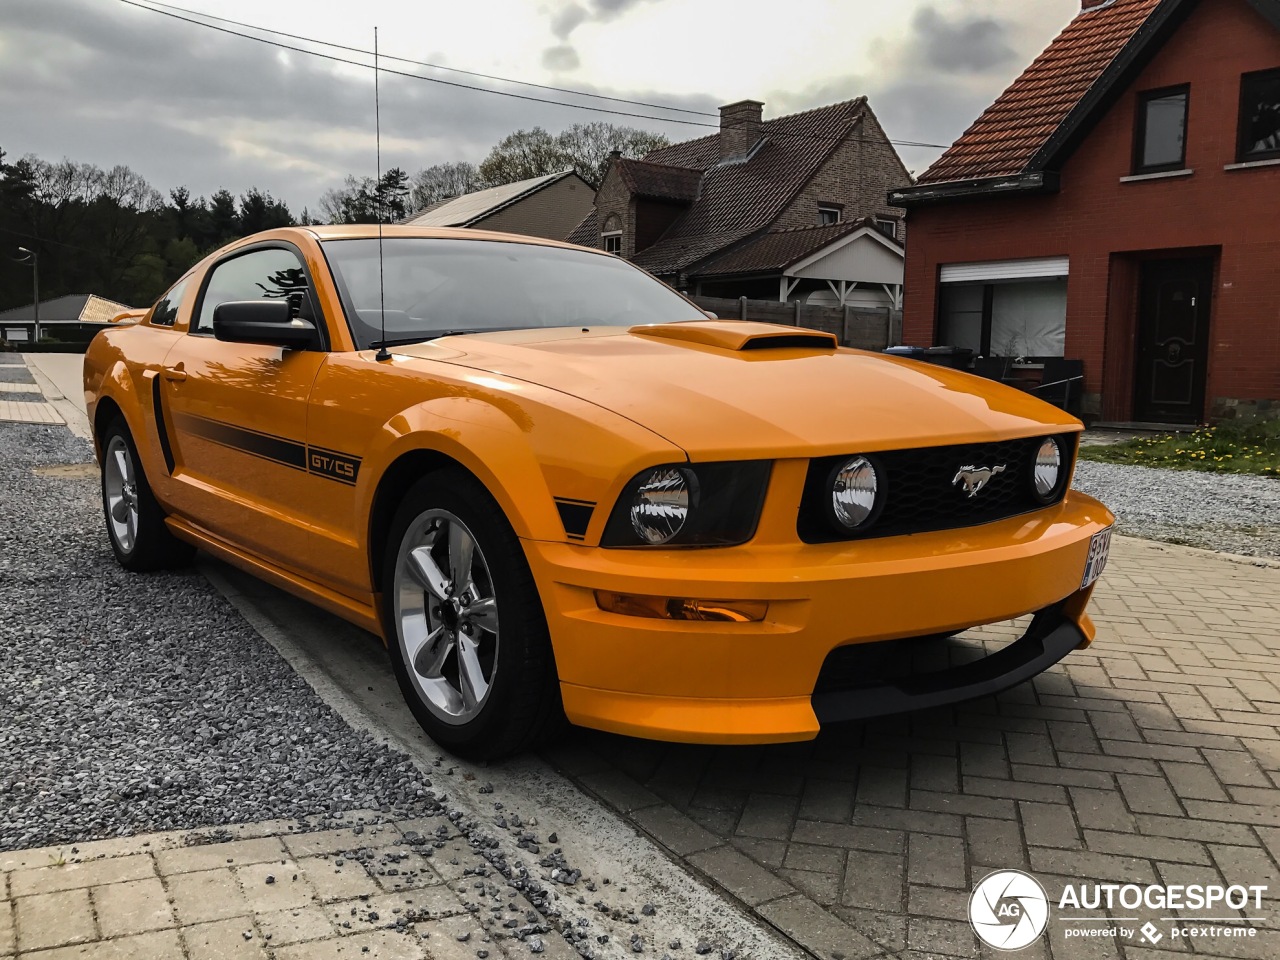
(363, 615)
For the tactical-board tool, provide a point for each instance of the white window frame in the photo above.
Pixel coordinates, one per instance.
(829, 208)
(611, 235)
(890, 222)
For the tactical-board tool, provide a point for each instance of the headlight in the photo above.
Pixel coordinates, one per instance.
(661, 505)
(1047, 472)
(689, 504)
(855, 493)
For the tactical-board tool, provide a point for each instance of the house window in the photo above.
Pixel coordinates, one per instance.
(1260, 116)
(1161, 141)
(828, 213)
(612, 242)
(888, 227)
(1024, 318)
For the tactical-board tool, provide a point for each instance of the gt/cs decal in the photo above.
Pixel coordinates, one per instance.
(335, 466)
(318, 461)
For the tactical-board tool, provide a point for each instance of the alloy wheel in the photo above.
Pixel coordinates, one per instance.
(446, 615)
(120, 486)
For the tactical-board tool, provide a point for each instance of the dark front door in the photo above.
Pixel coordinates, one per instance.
(1173, 340)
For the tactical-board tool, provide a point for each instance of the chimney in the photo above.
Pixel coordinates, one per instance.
(739, 128)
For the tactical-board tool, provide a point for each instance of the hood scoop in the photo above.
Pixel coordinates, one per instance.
(739, 335)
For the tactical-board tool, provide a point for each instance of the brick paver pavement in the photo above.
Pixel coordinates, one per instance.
(408, 890)
(1153, 756)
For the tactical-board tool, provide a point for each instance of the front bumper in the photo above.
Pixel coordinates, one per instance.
(755, 682)
(858, 687)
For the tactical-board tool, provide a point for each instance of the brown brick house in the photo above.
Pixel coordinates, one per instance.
(782, 209)
(1120, 203)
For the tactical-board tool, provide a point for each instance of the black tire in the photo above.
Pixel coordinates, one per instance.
(143, 543)
(522, 704)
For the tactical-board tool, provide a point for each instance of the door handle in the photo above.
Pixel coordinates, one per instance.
(176, 374)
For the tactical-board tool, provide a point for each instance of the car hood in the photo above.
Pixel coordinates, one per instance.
(733, 390)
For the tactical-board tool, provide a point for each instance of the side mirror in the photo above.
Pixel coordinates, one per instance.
(269, 322)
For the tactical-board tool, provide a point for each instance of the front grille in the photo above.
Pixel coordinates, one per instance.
(919, 493)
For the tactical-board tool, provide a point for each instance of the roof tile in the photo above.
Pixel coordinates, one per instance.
(779, 249)
(1003, 141)
(741, 197)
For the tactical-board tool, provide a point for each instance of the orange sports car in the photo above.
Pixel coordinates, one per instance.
(555, 486)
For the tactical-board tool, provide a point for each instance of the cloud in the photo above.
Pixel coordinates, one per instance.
(186, 106)
(568, 19)
(930, 84)
(963, 45)
(561, 57)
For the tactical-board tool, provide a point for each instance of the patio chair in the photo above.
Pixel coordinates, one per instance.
(1062, 384)
(993, 368)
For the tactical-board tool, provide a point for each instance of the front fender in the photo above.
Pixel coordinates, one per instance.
(484, 440)
(116, 384)
(528, 453)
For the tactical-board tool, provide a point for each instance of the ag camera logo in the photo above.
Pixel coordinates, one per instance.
(1008, 910)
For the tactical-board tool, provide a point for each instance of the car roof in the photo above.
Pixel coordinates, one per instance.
(354, 231)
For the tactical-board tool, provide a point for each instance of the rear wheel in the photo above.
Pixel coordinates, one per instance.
(135, 523)
(464, 623)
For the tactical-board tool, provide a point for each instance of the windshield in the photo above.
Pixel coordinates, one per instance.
(436, 286)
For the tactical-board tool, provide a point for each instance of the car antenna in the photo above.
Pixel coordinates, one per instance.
(383, 353)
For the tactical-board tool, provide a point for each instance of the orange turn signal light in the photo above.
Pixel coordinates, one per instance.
(681, 608)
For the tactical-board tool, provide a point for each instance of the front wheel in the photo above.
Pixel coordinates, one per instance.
(464, 623)
(135, 523)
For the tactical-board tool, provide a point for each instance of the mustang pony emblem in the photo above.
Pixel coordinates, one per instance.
(975, 478)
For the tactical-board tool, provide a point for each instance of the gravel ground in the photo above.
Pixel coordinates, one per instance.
(1230, 513)
(136, 703)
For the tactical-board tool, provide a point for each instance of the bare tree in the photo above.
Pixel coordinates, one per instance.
(590, 144)
(523, 155)
(443, 181)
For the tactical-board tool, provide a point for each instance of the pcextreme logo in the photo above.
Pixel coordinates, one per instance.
(1009, 910)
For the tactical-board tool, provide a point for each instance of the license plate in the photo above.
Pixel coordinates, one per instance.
(1099, 548)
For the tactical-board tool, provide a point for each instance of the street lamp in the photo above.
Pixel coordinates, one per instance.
(33, 258)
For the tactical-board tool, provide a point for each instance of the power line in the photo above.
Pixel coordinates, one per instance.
(433, 66)
(404, 73)
(479, 89)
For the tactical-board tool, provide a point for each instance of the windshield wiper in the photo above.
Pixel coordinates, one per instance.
(433, 335)
(420, 338)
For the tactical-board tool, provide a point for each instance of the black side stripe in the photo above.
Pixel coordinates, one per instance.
(161, 430)
(291, 453)
(319, 461)
(575, 515)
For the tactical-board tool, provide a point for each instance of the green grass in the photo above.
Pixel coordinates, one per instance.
(1250, 447)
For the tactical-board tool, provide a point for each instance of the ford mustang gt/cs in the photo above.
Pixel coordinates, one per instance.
(554, 486)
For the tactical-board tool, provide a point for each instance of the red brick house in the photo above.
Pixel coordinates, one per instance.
(791, 208)
(1120, 203)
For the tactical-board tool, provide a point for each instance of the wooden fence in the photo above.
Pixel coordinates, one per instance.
(861, 327)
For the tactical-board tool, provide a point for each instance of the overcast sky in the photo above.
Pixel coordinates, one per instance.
(104, 82)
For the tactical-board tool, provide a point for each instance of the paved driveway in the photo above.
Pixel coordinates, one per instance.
(1154, 756)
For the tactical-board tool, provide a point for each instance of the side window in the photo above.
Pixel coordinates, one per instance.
(1260, 116)
(257, 275)
(1161, 141)
(166, 311)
